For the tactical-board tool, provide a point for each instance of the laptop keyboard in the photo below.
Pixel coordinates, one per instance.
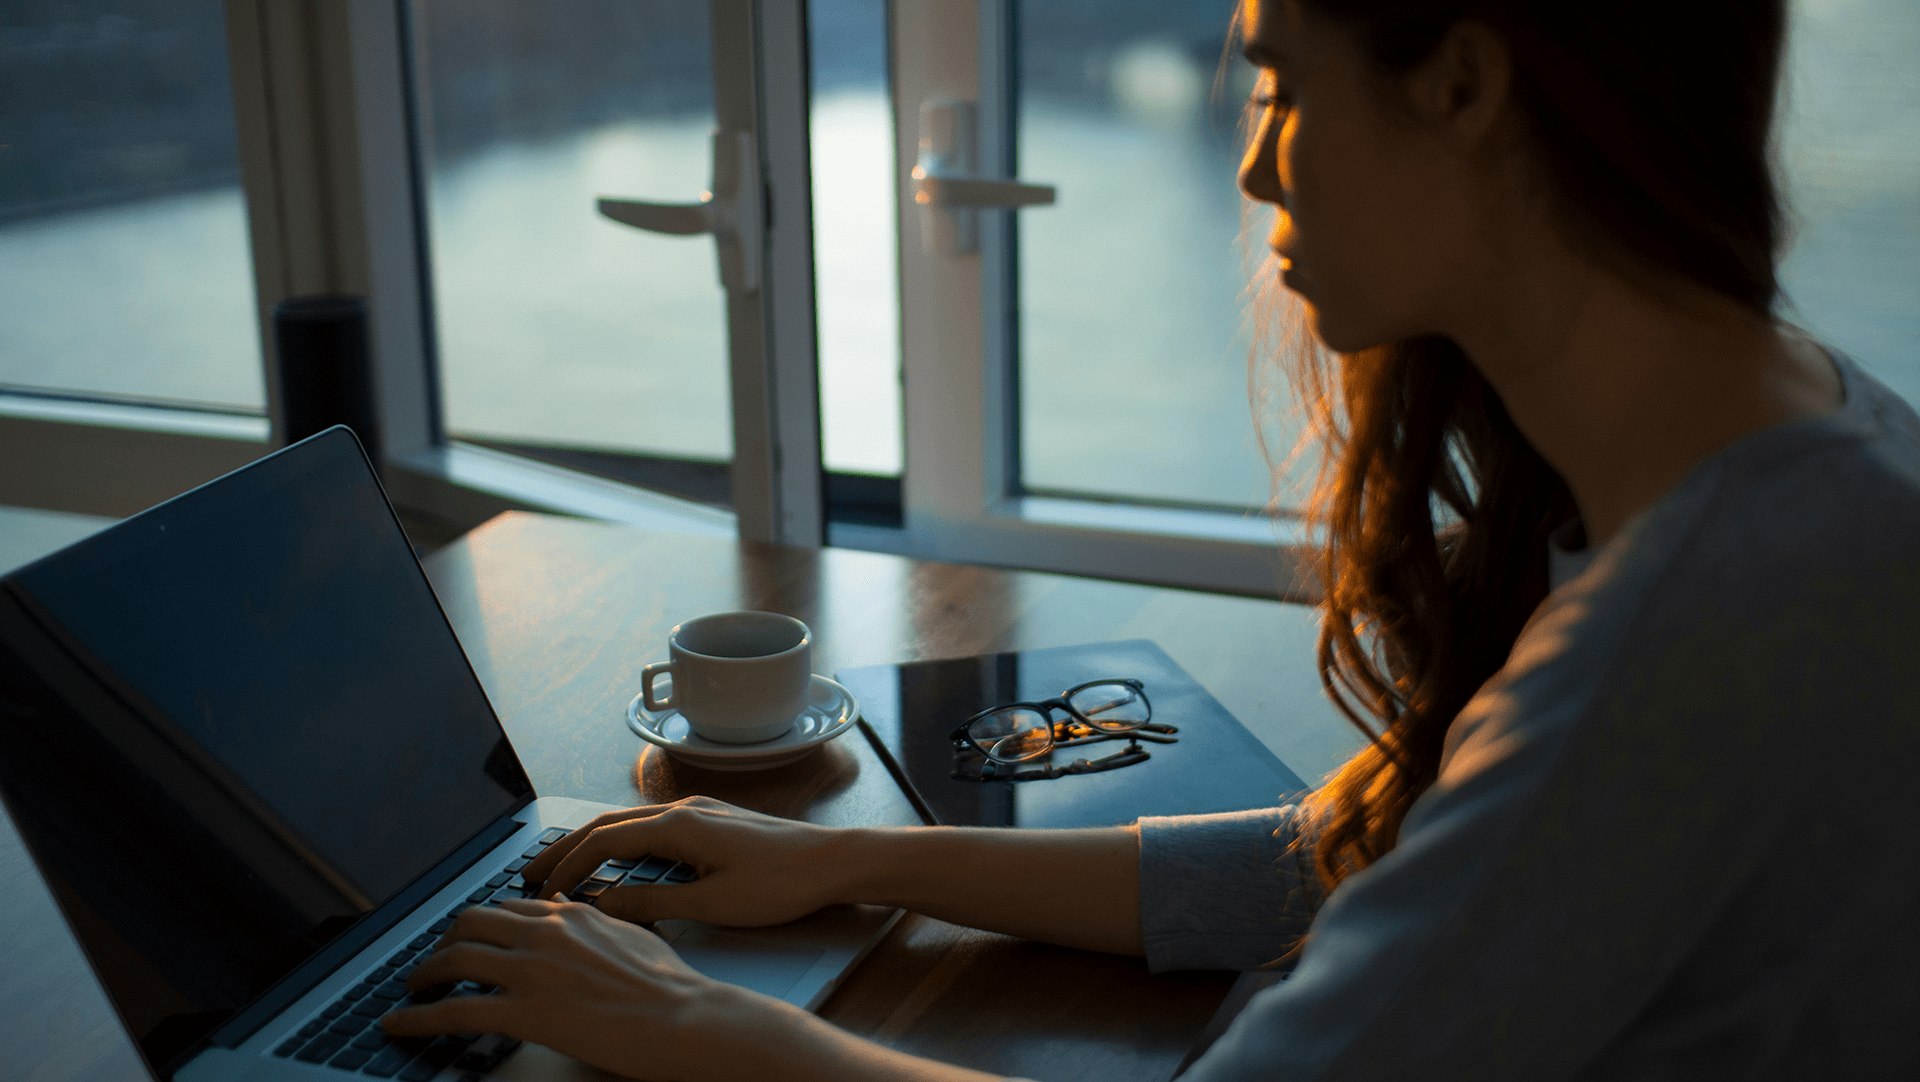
(346, 1034)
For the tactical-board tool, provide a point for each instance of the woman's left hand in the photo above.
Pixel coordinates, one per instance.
(599, 989)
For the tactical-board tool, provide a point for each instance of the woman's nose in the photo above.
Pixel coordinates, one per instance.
(1259, 169)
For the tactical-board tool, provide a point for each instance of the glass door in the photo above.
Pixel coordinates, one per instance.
(1072, 288)
(1131, 291)
(620, 243)
(563, 334)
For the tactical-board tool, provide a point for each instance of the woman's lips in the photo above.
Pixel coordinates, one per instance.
(1290, 275)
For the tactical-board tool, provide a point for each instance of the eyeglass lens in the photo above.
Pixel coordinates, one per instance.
(1013, 734)
(1018, 732)
(1114, 707)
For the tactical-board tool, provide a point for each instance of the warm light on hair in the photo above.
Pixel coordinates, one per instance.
(1431, 509)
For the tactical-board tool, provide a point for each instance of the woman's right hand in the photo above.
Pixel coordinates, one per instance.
(754, 869)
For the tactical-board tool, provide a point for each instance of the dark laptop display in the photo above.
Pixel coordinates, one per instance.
(145, 671)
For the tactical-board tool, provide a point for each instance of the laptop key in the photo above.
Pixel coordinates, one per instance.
(516, 864)
(372, 1040)
(500, 880)
(480, 895)
(624, 863)
(422, 941)
(487, 1053)
(321, 1048)
(360, 990)
(392, 990)
(378, 975)
(432, 994)
(680, 873)
(442, 1052)
(440, 925)
(400, 958)
(311, 1028)
(372, 1007)
(649, 870)
(388, 1061)
(289, 1046)
(588, 891)
(350, 1025)
(553, 834)
(607, 874)
(350, 1059)
(336, 1009)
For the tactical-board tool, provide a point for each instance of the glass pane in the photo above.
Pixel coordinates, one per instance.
(124, 261)
(855, 261)
(557, 326)
(1133, 367)
(1850, 142)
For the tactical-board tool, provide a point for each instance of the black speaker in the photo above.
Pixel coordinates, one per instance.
(326, 368)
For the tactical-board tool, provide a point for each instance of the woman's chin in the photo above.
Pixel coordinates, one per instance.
(1339, 337)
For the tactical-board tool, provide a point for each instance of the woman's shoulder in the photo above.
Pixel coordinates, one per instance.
(1794, 514)
(1776, 588)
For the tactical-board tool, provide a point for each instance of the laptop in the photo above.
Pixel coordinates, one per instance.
(259, 777)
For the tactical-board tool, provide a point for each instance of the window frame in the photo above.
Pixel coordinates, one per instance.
(959, 313)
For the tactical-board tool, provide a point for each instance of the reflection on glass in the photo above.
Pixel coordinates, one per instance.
(1131, 287)
(855, 262)
(124, 264)
(557, 326)
(1850, 143)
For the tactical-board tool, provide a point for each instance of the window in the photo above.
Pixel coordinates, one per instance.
(1850, 148)
(561, 333)
(1064, 392)
(1132, 368)
(124, 261)
(1002, 336)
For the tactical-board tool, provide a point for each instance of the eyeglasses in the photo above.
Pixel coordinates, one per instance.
(1095, 711)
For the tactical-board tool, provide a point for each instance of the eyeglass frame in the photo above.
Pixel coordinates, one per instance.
(1146, 730)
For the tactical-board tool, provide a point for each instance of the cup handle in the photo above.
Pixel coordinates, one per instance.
(646, 687)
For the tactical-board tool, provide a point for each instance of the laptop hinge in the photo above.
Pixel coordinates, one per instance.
(248, 1020)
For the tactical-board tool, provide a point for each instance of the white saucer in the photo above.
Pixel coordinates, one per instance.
(831, 711)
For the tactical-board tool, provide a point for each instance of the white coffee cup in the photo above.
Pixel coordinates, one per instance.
(738, 677)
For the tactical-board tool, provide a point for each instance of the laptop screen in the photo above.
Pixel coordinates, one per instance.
(234, 724)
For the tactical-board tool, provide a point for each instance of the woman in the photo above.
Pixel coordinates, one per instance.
(1622, 570)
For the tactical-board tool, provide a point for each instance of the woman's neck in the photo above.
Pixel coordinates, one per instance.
(1624, 390)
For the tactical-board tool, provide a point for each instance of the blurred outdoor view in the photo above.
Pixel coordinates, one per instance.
(124, 264)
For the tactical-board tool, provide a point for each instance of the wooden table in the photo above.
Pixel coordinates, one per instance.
(559, 615)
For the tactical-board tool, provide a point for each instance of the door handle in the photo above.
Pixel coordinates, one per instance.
(734, 212)
(939, 191)
(946, 189)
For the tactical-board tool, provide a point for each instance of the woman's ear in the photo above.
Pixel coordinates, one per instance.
(1461, 90)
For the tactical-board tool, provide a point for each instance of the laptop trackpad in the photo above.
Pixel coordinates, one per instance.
(745, 960)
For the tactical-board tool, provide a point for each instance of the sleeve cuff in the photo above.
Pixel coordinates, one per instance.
(1223, 891)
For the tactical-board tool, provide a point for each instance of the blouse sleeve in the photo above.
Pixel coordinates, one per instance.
(1223, 891)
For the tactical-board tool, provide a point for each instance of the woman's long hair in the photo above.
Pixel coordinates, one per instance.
(1650, 125)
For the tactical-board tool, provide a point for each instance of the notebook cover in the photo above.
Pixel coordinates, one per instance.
(908, 710)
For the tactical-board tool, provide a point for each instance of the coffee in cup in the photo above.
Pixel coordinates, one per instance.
(738, 677)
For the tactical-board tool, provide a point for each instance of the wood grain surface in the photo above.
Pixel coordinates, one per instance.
(559, 615)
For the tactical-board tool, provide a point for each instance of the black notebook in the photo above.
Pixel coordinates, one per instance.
(908, 712)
